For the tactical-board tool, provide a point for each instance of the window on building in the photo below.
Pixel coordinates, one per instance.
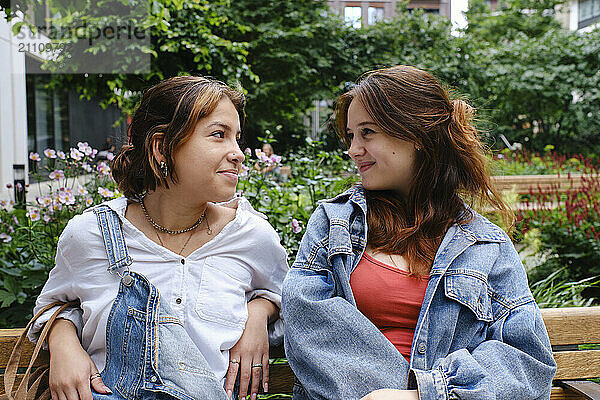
(353, 16)
(375, 15)
(47, 113)
(589, 12)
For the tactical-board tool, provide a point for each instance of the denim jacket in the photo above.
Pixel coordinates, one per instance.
(479, 334)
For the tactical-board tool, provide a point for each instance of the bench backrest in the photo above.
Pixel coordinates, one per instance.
(571, 330)
(523, 184)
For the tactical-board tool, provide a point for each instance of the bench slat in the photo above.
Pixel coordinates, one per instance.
(575, 365)
(559, 393)
(572, 325)
(8, 338)
(587, 388)
(522, 183)
(281, 378)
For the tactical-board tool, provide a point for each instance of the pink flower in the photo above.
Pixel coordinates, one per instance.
(5, 238)
(76, 154)
(296, 228)
(244, 171)
(46, 217)
(103, 168)
(66, 197)
(34, 156)
(110, 156)
(86, 167)
(56, 174)
(105, 192)
(61, 155)
(33, 214)
(89, 201)
(248, 151)
(50, 153)
(275, 159)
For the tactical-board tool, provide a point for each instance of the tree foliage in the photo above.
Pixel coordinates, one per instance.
(532, 80)
(536, 81)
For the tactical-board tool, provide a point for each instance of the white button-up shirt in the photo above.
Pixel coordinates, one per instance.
(208, 290)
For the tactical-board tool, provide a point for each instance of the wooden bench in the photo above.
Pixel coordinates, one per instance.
(568, 328)
(523, 184)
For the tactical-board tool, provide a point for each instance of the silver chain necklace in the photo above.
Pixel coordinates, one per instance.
(166, 230)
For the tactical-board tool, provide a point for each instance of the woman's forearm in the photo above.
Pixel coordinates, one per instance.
(260, 309)
(62, 333)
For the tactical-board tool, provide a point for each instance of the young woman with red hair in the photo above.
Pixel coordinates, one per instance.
(401, 290)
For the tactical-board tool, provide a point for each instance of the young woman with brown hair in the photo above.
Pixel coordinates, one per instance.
(177, 289)
(401, 290)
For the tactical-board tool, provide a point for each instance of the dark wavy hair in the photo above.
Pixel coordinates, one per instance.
(451, 166)
(173, 108)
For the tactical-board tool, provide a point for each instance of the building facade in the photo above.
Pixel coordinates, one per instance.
(580, 14)
(364, 13)
(33, 117)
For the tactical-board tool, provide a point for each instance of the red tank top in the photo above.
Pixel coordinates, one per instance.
(390, 298)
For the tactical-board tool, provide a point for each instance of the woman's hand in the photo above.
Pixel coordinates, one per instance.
(251, 353)
(72, 371)
(392, 394)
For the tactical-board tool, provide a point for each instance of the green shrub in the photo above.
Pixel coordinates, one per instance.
(521, 162)
(28, 237)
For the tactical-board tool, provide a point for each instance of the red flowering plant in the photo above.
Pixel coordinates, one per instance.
(522, 162)
(567, 224)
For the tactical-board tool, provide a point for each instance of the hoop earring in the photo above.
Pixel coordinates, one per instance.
(164, 169)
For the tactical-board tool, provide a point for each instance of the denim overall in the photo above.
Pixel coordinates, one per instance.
(149, 355)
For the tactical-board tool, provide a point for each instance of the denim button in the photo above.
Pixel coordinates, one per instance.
(152, 379)
(183, 261)
(178, 301)
(421, 348)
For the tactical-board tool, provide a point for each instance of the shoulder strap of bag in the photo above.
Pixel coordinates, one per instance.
(114, 241)
(30, 383)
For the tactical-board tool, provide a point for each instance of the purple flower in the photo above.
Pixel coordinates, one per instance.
(5, 238)
(34, 156)
(248, 151)
(61, 155)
